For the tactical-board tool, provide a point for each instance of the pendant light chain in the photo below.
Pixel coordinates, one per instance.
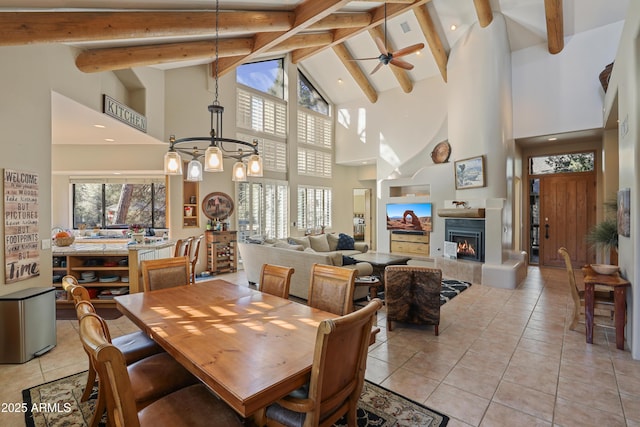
(217, 38)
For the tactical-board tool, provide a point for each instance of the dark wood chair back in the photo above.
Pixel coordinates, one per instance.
(193, 257)
(276, 279)
(183, 247)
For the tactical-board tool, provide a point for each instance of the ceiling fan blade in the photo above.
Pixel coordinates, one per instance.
(408, 50)
(377, 67)
(381, 47)
(402, 64)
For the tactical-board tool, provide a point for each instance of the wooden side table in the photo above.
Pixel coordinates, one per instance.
(619, 286)
(372, 282)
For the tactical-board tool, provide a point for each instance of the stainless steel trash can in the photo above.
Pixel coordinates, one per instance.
(27, 324)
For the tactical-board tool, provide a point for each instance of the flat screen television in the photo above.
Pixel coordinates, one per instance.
(409, 217)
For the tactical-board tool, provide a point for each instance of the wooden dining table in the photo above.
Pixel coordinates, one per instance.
(249, 347)
(619, 286)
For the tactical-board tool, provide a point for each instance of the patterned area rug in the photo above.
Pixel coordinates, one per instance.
(452, 288)
(57, 404)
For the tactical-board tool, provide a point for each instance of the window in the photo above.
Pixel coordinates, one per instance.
(264, 76)
(260, 113)
(314, 163)
(309, 97)
(314, 207)
(119, 204)
(262, 208)
(560, 163)
(314, 129)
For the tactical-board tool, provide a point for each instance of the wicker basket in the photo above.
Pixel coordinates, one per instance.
(63, 241)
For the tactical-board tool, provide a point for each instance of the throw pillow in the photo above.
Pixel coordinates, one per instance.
(319, 243)
(346, 242)
(347, 260)
(332, 238)
(304, 241)
(309, 250)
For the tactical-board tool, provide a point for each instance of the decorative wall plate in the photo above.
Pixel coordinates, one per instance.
(217, 206)
(441, 152)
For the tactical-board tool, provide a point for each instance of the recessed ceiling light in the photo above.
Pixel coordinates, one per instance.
(109, 139)
(453, 27)
(99, 126)
(340, 81)
(553, 138)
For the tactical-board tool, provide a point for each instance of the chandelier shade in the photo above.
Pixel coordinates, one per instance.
(215, 147)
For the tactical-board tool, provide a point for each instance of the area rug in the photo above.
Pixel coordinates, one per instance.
(57, 403)
(452, 288)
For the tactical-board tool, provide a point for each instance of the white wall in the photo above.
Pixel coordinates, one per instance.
(562, 92)
(623, 86)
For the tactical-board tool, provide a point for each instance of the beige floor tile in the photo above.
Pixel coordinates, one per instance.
(392, 353)
(524, 399)
(579, 392)
(482, 384)
(631, 405)
(377, 370)
(458, 403)
(532, 376)
(429, 366)
(571, 414)
(500, 416)
(409, 384)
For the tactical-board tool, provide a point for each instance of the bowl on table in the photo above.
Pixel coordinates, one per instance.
(604, 268)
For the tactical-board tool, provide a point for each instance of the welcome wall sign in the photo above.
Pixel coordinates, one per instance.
(21, 234)
(121, 112)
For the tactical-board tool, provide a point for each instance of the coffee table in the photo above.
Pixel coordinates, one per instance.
(380, 260)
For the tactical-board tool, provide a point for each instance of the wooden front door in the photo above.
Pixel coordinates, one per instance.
(567, 212)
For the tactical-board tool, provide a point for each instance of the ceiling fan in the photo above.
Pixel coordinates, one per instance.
(387, 57)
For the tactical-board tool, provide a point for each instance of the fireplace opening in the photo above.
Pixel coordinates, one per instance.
(468, 235)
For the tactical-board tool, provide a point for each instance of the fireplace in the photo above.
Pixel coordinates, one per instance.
(468, 234)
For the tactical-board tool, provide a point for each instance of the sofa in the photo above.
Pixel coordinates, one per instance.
(301, 253)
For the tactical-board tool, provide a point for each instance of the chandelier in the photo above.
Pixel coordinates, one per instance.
(218, 147)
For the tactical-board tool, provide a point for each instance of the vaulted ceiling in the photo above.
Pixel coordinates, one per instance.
(323, 37)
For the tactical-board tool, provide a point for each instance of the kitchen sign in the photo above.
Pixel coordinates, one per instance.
(21, 234)
(121, 112)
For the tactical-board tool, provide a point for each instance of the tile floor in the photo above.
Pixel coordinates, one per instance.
(503, 358)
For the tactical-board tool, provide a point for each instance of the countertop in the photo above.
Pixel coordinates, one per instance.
(117, 247)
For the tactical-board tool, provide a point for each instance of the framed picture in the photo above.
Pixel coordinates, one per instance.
(624, 212)
(217, 206)
(469, 173)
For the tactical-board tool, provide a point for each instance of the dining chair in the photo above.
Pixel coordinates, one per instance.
(153, 376)
(183, 247)
(193, 256)
(331, 288)
(337, 374)
(275, 280)
(412, 295)
(192, 405)
(165, 273)
(135, 345)
(603, 300)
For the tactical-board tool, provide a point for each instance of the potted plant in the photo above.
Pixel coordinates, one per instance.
(604, 235)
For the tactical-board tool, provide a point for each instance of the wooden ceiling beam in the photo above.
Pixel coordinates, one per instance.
(356, 72)
(342, 20)
(341, 35)
(303, 40)
(484, 12)
(306, 13)
(555, 25)
(401, 75)
(19, 28)
(96, 60)
(433, 39)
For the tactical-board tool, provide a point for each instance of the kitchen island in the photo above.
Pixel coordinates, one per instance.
(105, 267)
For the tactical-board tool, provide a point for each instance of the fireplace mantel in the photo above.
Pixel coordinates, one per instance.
(461, 213)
